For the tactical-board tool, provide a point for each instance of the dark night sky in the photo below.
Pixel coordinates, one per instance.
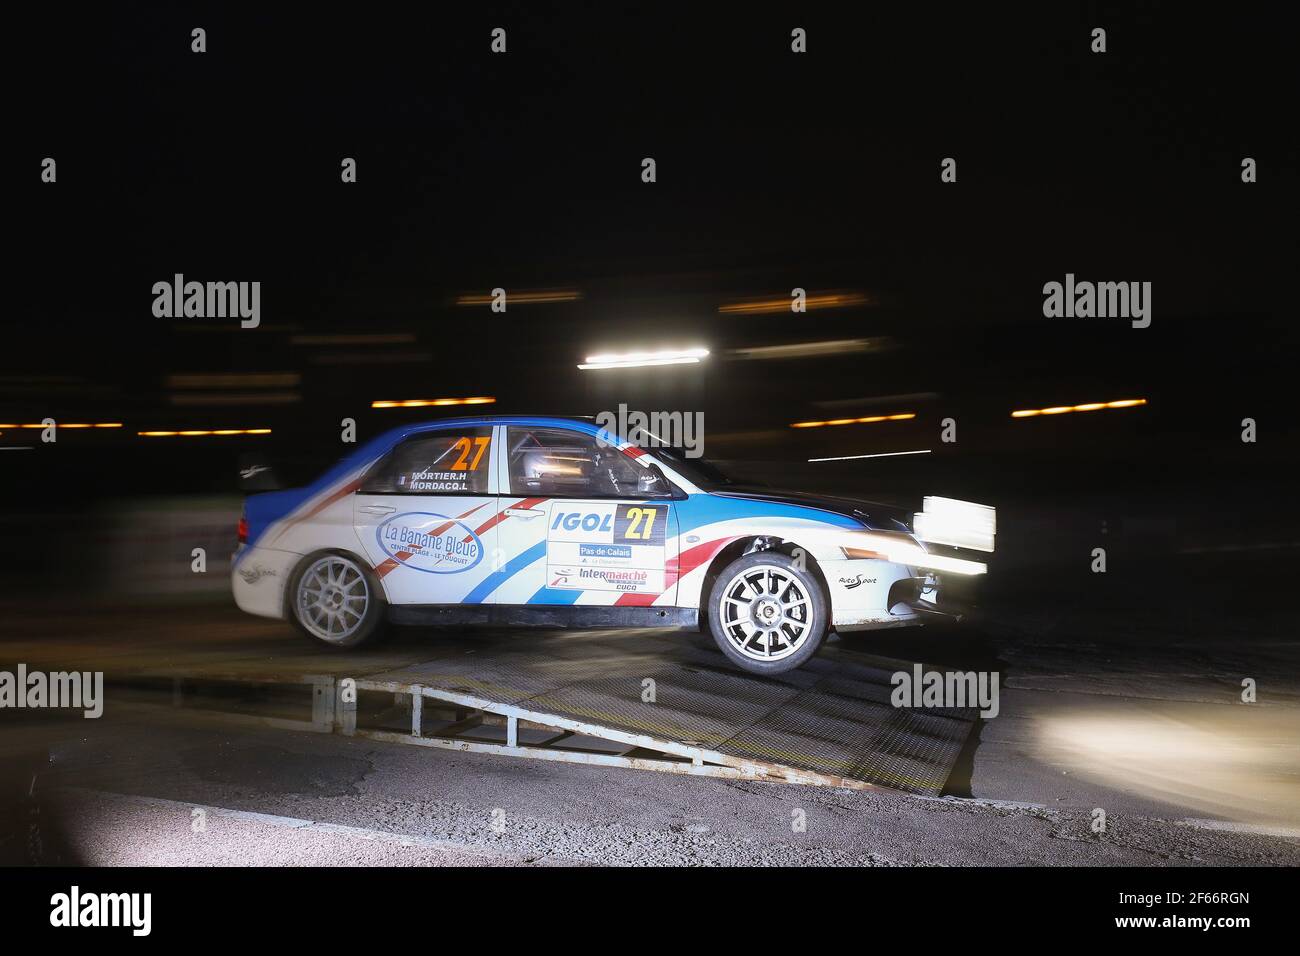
(775, 170)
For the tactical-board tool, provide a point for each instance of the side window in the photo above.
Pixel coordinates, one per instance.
(443, 463)
(556, 462)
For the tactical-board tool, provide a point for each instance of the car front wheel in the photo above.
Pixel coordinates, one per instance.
(334, 600)
(767, 614)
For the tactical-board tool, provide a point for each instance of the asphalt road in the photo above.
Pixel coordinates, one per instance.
(1126, 718)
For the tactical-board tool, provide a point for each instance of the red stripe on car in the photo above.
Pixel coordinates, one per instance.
(501, 515)
(676, 568)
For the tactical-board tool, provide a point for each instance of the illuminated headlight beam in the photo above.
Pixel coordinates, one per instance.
(951, 521)
(890, 548)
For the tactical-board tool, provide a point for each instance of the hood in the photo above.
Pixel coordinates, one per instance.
(874, 515)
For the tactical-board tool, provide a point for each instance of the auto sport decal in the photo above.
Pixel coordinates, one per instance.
(857, 581)
(434, 543)
(606, 546)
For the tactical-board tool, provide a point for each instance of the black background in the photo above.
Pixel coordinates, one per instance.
(775, 170)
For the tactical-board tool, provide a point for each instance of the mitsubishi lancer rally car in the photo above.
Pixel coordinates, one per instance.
(554, 521)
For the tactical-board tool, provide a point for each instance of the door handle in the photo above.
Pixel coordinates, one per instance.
(524, 512)
(376, 509)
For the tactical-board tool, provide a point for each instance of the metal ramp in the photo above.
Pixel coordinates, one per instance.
(643, 698)
(661, 700)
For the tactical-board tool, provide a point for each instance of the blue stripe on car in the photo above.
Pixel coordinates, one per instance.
(549, 595)
(502, 575)
(702, 509)
(263, 510)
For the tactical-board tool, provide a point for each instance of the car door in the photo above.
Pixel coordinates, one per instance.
(425, 514)
(582, 522)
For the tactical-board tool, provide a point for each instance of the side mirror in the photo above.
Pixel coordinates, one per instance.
(653, 484)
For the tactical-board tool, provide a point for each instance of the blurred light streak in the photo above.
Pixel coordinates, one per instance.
(68, 425)
(433, 402)
(370, 358)
(523, 297)
(235, 380)
(226, 327)
(827, 300)
(1090, 407)
(883, 454)
(376, 338)
(204, 432)
(855, 421)
(234, 398)
(643, 359)
(906, 398)
(805, 349)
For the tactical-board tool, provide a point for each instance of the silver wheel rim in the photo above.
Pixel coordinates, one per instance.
(333, 596)
(766, 613)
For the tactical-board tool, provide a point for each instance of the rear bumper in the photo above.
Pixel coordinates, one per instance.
(259, 579)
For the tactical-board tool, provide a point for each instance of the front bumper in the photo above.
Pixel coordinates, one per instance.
(901, 597)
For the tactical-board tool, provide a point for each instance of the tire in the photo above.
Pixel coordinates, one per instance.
(335, 600)
(798, 613)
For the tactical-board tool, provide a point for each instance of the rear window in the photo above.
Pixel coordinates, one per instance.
(446, 463)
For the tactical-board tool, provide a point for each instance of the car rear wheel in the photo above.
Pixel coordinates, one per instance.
(767, 614)
(334, 600)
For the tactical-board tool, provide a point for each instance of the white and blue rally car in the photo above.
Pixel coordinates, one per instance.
(554, 521)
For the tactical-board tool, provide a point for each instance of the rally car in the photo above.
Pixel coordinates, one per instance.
(555, 521)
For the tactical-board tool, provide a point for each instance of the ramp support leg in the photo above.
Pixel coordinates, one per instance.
(417, 710)
(346, 712)
(322, 703)
(512, 731)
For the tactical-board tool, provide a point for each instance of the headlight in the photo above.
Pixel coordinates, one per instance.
(864, 553)
(899, 548)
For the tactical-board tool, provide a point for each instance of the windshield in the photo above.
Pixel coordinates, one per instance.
(699, 472)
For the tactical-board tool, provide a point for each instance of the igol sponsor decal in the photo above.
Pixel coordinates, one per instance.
(430, 542)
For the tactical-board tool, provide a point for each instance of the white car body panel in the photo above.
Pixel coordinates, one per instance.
(502, 548)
